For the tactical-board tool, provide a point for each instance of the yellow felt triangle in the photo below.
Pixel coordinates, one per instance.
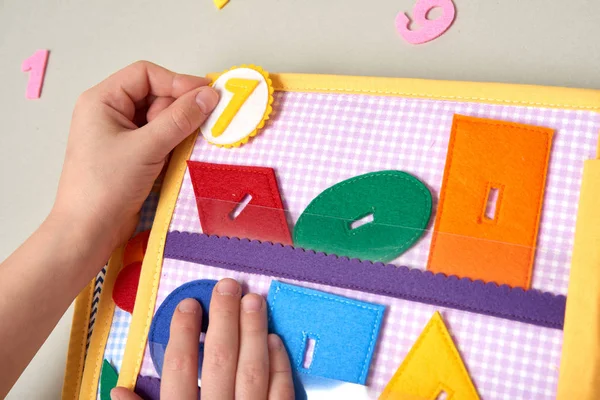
(431, 367)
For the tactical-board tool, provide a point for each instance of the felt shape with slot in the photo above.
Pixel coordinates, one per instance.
(108, 380)
(159, 334)
(399, 204)
(253, 257)
(345, 330)
(433, 365)
(219, 188)
(485, 154)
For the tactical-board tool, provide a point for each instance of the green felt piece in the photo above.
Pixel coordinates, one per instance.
(108, 380)
(400, 205)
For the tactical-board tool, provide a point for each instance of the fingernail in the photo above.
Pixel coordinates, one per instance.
(114, 395)
(228, 287)
(188, 306)
(274, 342)
(207, 99)
(252, 303)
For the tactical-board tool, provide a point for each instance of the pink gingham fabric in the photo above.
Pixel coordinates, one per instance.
(506, 359)
(316, 140)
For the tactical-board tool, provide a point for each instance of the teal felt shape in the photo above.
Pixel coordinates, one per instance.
(108, 380)
(400, 207)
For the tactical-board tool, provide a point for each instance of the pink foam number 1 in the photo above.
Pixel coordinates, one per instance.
(36, 65)
(430, 29)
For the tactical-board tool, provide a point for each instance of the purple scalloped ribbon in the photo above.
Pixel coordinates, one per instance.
(264, 258)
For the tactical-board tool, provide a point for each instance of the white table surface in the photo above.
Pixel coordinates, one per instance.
(534, 41)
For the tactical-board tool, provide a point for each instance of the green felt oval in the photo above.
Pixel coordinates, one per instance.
(401, 208)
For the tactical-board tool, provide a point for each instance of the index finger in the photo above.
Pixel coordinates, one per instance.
(123, 89)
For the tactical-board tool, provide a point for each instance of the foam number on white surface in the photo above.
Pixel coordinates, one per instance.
(245, 97)
(241, 89)
(429, 28)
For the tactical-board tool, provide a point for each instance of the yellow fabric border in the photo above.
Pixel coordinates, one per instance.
(143, 310)
(580, 362)
(493, 93)
(106, 309)
(77, 342)
(478, 92)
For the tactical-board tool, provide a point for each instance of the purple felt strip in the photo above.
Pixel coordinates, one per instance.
(528, 306)
(148, 388)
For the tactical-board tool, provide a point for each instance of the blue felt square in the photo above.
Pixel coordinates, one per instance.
(344, 331)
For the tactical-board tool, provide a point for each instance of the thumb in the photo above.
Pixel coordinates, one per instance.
(177, 122)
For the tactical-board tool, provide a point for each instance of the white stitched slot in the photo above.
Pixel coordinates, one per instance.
(240, 206)
(491, 205)
(309, 352)
(367, 219)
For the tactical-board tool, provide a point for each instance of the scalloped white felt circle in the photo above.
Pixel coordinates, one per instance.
(247, 118)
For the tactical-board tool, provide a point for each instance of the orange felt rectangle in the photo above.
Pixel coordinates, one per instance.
(484, 154)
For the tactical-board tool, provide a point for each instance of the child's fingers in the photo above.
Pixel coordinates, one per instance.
(133, 83)
(157, 106)
(180, 367)
(222, 341)
(281, 384)
(252, 378)
(120, 393)
(175, 123)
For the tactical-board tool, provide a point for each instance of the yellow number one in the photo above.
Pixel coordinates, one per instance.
(241, 89)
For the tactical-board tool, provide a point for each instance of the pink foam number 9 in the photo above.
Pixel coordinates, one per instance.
(430, 29)
(36, 65)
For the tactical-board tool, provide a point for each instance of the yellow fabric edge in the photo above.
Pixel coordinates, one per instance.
(580, 362)
(493, 93)
(480, 92)
(106, 309)
(143, 310)
(77, 342)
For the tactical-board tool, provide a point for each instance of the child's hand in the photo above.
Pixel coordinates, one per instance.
(112, 160)
(240, 360)
(113, 156)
